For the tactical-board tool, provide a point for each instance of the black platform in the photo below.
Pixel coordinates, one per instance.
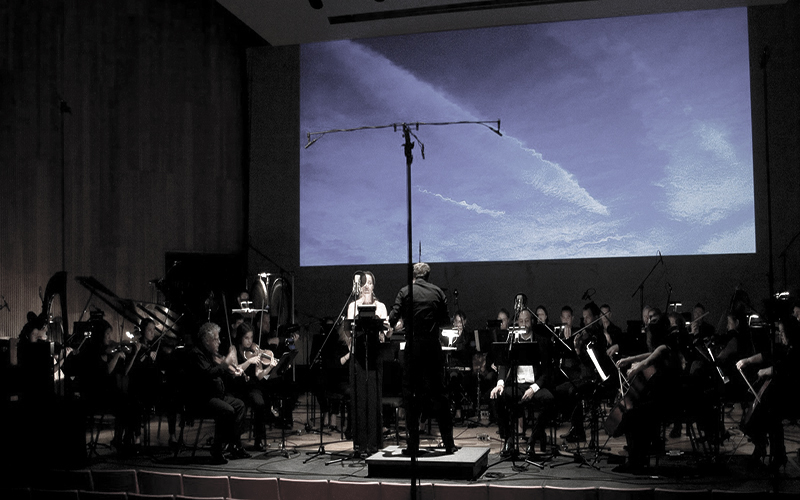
(467, 463)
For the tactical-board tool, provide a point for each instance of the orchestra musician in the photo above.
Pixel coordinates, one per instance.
(38, 379)
(777, 377)
(613, 333)
(337, 378)
(459, 361)
(423, 381)
(528, 386)
(104, 366)
(504, 317)
(145, 376)
(578, 367)
(256, 364)
(208, 375)
(651, 376)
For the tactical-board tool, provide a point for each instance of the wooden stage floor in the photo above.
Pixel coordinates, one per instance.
(678, 468)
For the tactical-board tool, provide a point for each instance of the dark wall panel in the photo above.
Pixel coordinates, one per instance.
(153, 143)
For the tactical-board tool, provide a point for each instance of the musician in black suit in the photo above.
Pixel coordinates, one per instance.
(527, 386)
(207, 372)
(423, 383)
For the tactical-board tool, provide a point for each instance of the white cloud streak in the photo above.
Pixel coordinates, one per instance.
(463, 204)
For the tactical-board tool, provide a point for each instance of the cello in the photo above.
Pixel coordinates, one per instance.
(750, 417)
(631, 392)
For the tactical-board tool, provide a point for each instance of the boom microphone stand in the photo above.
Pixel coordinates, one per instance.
(321, 449)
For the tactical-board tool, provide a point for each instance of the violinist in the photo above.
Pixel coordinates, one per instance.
(256, 364)
(145, 376)
(579, 368)
(104, 380)
(776, 377)
(209, 374)
(613, 333)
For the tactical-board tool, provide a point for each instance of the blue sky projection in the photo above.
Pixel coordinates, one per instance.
(621, 137)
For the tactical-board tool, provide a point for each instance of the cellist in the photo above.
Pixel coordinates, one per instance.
(779, 372)
(652, 374)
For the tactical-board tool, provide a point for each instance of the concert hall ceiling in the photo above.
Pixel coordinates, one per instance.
(289, 22)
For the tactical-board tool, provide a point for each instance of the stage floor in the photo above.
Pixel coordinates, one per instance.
(679, 467)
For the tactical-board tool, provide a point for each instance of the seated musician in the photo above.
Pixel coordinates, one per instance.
(579, 369)
(460, 361)
(776, 382)
(695, 381)
(145, 374)
(504, 316)
(462, 342)
(699, 327)
(613, 333)
(528, 386)
(146, 387)
(37, 379)
(105, 365)
(256, 364)
(208, 376)
(337, 378)
(651, 377)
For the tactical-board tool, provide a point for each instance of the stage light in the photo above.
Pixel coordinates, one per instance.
(315, 4)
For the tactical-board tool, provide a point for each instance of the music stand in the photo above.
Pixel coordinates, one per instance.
(282, 367)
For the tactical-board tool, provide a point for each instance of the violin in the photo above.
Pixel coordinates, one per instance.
(264, 355)
(119, 347)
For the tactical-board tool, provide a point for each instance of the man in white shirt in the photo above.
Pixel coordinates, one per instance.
(526, 386)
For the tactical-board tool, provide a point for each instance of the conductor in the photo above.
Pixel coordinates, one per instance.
(423, 380)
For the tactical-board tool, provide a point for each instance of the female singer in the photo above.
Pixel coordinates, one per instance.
(367, 297)
(256, 364)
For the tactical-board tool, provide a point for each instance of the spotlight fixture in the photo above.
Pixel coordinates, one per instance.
(315, 4)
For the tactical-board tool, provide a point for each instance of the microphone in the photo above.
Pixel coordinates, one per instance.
(519, 302)
(5, 304)
(586, 294)
(660, 258)
(357, 283)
